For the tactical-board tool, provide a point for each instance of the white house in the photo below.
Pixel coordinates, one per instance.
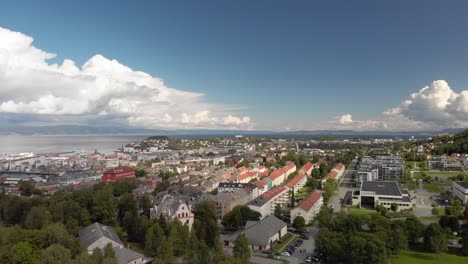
(172, 208)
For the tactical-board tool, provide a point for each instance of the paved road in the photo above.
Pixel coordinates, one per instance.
(345, 186)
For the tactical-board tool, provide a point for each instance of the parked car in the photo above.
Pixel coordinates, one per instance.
(304, 237)
(286, 254)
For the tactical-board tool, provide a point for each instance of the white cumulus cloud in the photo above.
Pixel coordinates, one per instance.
(436, 105)
(101, 88)
(345, 119)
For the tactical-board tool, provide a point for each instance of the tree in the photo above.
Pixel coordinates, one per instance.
(312, 183)
(26, 188)
(293, 198)
(450, 222)
(165, 252)
(299, 223)
(278, 212)
(144, 204)
(241, 250)
(206, 226)
(414, 229)
(316, 174)
(325, 217)
(104, 206)
(238, 217)
(455, 208)
(464, 242)
(37, 217)
(398, 239)
(153, 236)
(22, 253)
(140, 173)
(381, 209)
(394, 207)
(435, 239)
(126, 204)
(56, 254)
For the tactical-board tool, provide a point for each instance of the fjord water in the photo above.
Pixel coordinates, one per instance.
(11, 144)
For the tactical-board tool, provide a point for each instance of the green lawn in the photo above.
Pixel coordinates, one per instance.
(414, 257)
(361, 211)
(287, 239)
(434, 187)
(438, 211)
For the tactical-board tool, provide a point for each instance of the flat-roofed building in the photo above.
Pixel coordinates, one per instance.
(460, 190)
(374, 193)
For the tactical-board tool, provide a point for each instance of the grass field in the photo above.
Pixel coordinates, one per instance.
(414, 257)
(286, 240)
(361, 211)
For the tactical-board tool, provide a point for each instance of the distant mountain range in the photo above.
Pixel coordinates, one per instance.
(91, 130)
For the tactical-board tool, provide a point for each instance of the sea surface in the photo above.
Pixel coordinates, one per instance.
(13, 144)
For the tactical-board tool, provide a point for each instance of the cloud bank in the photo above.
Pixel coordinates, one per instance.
(102, 90)
(436, 104)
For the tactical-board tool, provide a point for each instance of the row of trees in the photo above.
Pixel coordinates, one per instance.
(373, 239)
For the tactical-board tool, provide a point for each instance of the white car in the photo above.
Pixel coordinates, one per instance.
(286, 254)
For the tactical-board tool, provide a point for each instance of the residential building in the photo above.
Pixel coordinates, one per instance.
(99, 236)
(307, 168)
(172, 208)
(266, 203)
(460, 190)
(261, 234)
(296, 183)
(389, 167)
(308, 208)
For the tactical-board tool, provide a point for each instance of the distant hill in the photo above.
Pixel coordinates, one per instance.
(92, 130)
(448, 145)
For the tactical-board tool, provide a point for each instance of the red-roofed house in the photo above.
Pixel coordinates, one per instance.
(307, 168)
(261, 186)
(278, 177)
(118, 173)
(263, 174)
(289, 168)
(340, 169)
(245, 177)
(266, 203)
(241, 170)
(332, 175)
(308, 208)
(297, 182)
(259, 169)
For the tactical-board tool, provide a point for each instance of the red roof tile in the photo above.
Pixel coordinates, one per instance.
(308, 203)
(331, 175)
(260, 184)
(339, 166)
(292, 183)
(277, 173)
(245, 176)
(273, 192)
(307, 167)
(121, 169)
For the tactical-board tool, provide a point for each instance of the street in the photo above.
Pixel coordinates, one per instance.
(345, 186)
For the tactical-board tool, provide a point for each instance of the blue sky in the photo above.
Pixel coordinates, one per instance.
(284, 64)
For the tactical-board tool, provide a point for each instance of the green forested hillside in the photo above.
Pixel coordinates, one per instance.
(448, 145)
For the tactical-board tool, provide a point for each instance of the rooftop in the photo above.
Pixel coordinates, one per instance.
(381, 188)
(463, 184)
(308, 203)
